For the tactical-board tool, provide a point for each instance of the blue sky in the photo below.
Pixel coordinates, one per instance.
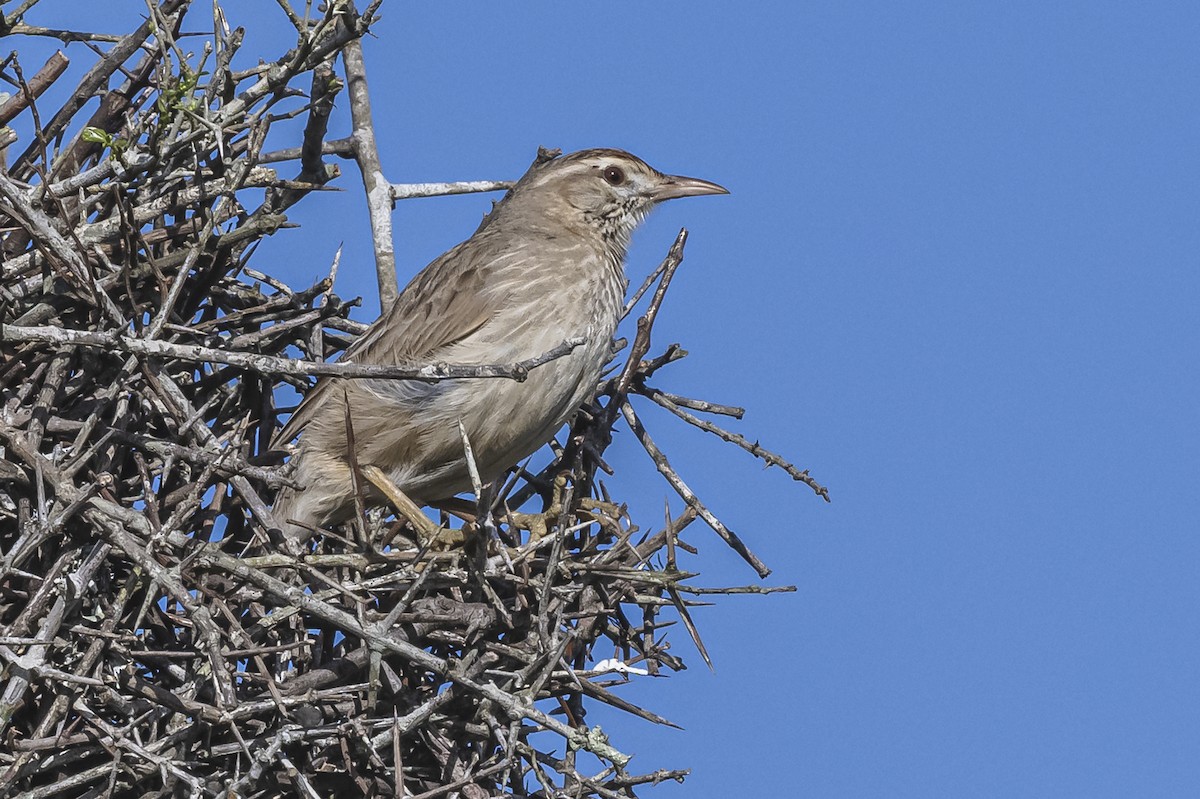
(956, 278)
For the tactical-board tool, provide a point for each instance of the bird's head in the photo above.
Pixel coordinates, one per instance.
(610, 191)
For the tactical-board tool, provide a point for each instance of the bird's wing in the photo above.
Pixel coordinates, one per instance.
(444, 304)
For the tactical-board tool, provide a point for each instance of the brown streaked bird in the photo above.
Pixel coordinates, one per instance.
(546, 265)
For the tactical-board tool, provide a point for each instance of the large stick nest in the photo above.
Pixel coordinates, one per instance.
(155, 639)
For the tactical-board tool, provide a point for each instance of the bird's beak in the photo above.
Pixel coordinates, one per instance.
(672, 186)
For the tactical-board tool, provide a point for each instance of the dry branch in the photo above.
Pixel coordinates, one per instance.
(379, 198)
(274, 365)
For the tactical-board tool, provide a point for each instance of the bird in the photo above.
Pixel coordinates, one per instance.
(547, 264)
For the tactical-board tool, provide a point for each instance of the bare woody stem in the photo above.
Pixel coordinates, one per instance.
(42, 80)
(406, 191)
(366, 153)
(273, 365)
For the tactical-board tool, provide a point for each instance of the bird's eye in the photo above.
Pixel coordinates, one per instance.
(614, 175)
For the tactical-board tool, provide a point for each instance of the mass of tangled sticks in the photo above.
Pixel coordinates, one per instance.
(155, 638)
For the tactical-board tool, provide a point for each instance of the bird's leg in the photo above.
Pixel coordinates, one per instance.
(427, 531)
(540, 524)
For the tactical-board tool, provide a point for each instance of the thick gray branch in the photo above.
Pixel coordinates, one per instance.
(366, 152)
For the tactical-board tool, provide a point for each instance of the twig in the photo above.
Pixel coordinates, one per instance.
(273, 365)
(51, 71)
(754, 448)
(379, 202)
(641, 343)
(689, 496)
(405, 191)
(694, 404)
